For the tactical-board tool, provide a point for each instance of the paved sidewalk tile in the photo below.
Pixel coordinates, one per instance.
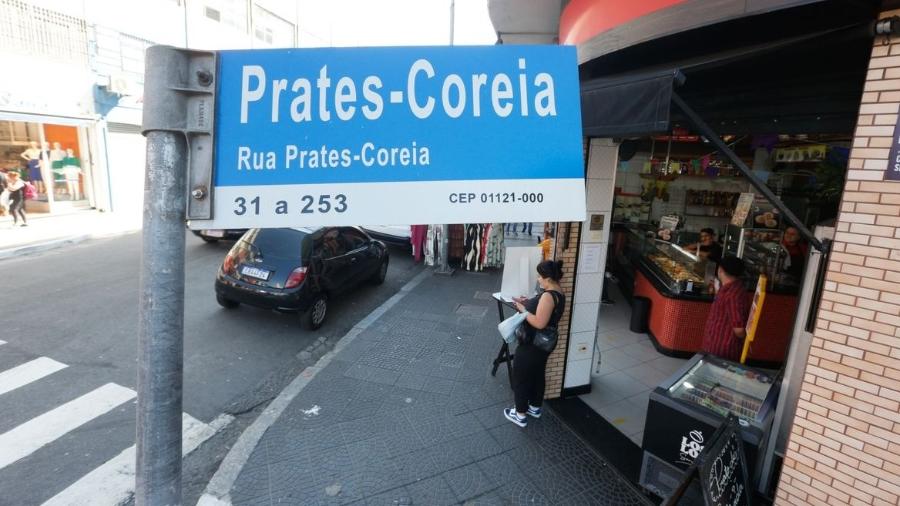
(408, 414)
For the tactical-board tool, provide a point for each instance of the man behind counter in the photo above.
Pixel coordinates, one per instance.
(707, 247)
(724, 333)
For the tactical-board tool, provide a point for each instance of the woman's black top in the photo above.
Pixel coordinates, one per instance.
(532, 304)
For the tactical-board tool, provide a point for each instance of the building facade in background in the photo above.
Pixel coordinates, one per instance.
(75, 82)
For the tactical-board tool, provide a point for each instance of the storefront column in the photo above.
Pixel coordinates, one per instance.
(46, 171)
(589, 265)
(844, 445)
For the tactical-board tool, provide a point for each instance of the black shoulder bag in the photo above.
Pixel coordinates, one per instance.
(545, 339)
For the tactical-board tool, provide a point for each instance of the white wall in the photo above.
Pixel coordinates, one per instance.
(603, 157)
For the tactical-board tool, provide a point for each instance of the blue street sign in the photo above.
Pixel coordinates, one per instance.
(399, 135)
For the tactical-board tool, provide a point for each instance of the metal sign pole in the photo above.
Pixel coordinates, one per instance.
(161, 332)
(178, 119)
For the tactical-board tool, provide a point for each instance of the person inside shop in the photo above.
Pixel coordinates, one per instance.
(797, 251)
(530, 363)
(707, 247)
(725, 325)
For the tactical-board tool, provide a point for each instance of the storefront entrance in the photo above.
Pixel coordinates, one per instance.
(54, 157)
(655, 114)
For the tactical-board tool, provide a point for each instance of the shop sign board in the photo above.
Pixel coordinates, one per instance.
(362, 136)
(893, 169)
(721, 468)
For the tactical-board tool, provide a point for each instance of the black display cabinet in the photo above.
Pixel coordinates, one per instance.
(686, 409)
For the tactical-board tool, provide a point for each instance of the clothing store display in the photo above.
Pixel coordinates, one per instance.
(495, 249)
(71, 167)
(34, 170)
(56, 163)
(473, 245)
(417, 234)
(429, 245)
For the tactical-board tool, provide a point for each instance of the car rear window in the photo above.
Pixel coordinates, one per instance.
(279, 242)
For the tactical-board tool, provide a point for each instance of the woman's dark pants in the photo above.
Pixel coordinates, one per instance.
(528, 377)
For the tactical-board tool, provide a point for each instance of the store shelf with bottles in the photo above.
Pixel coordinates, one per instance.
(672, 169)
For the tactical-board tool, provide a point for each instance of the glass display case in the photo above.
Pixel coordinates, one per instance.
(725, 387)
(761, 250)
(685, 410)
(678, 270)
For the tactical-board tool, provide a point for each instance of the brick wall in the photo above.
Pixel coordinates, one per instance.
(844, 447)
(556, 364)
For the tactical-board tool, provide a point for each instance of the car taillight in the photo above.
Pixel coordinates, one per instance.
(297, 276)
(228, 266)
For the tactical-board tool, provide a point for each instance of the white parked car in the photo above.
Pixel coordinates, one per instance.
(392, 234)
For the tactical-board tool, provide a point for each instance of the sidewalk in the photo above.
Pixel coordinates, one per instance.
(407, 413)
(51, 231)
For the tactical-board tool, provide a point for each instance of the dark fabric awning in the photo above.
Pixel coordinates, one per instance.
(622, 106)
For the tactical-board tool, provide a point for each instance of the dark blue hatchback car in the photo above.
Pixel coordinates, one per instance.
(299, 269)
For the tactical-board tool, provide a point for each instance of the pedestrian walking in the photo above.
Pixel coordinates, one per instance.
(16, 188)
(506, 229)
(528, 225)
(530, 362)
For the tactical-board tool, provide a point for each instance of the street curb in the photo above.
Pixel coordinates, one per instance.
(218, 490)
(41, 247)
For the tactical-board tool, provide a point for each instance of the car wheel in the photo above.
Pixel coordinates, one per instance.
(209, 239)
(381, 273)
(226, 302)
(318, 310)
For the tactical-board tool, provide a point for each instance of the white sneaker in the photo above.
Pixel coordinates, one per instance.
(512, 416)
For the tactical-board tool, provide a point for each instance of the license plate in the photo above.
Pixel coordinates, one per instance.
(214, 233)
(255, 272)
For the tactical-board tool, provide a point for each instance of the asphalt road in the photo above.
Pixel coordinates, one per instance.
(79, 307)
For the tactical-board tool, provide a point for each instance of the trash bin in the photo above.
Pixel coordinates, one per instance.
(640, 311)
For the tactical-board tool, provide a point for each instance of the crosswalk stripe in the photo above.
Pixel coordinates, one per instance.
(24, 374)
(2, 342)
(111, 483)
(41, 430)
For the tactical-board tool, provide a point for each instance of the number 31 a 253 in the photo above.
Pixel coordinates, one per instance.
(309, 204)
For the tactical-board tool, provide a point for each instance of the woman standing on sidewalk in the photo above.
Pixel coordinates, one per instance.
(16, 188)
(530, 363)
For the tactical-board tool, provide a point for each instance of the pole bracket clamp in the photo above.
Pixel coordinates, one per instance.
(180, 96)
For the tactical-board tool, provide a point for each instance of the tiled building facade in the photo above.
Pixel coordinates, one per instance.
(844, 447)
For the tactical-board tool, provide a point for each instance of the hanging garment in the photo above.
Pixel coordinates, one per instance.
(495, 249)
(484, 242)
(438, 244)
(470, 253)
(474, 246)
(429, 245)
(417, 235)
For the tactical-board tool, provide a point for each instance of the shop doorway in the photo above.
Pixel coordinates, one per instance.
(53, 158)
(787, 112)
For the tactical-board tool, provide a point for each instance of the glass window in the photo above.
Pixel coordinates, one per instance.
(331, 244)
(353, 238)
(228, 12)
(272, 29)
(277, 242)
(213, 14)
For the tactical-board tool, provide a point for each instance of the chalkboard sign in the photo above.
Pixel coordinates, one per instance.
(721, 470)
